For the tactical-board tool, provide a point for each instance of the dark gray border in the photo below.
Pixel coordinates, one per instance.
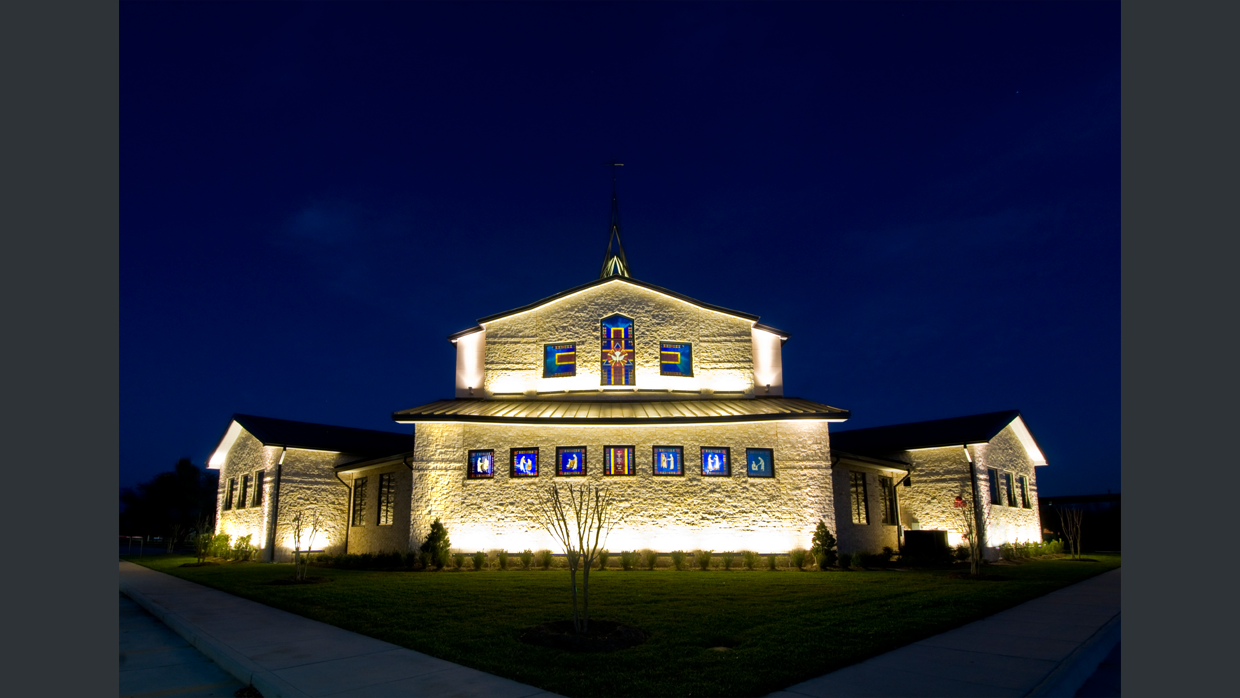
(585, 461)
(760, 477)
(656, 473)
(729, 451)
(469, 464)
(607, 446)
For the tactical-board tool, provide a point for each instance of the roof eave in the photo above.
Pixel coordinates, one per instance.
(610, 279)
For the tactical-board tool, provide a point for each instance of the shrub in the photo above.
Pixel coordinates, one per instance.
(480, 559)
(243, 550)
(749, 559)
(962, 553)
(526, 558)
(649, 558)
(770, 562)
(727, 559)
(543, 559)
(796, 558)
(858, 561)
(458, 560)
(602, 559)
(202, 545)
(220, 546)
(503, 559)
(888, 553)
(678, 559)
(701, 558)
(437, 544)
(824, 546)
(629, 560)
(845, 560)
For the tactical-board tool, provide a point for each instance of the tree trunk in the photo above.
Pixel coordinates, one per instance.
(585, 598)
(572, 576)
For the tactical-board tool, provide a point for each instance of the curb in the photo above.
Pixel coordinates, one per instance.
(241, 668)
(1075, 669)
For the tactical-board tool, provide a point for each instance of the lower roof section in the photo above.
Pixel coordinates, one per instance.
(635, 412)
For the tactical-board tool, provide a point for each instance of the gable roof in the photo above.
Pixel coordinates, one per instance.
(620, 279)
(936, 433)
(316, 437)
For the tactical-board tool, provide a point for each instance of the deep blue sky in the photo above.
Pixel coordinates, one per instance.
(926, 196)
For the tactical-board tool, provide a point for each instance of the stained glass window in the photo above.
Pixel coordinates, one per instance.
(524, 462)
(387, 498)
(481, 464)
(359, 501)
(618, 352)
(716, 461)
(675, 359)
(760, 462)
(669, 460)
(570, 460)
(619, 460)
(559, 360)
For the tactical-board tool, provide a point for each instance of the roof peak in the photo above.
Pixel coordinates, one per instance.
(614, 263)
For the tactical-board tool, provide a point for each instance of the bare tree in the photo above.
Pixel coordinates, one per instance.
(967, 518)
(1070, 520)
(579, 518)
(300, 523)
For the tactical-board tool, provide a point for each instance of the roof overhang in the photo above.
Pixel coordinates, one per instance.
(224, 446)
(868, 462)
(620, 413)
(1026, 439)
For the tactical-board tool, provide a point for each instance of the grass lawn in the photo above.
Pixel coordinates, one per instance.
(783, 626)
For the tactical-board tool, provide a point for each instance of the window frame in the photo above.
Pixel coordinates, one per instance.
(608, 465)
(358, 500)
(259, 478)
(1011, 492)
(512, 462)
(547, 348)
(887, 500)
(654, 458)
(605, 344)
(470, 472)
(727, 461)
(677, 347)
(585, 463)
(858, 504)
(229, 490)
(992, 484)
(1025, 501)
(749, 473)
(243, 490)
(387, 500)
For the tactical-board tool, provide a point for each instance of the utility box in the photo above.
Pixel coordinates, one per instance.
(925, 544)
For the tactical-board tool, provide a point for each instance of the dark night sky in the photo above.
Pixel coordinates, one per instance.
(926, 196)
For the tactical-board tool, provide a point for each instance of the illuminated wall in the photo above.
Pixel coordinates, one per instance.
(662, 513)
(371, 536)
(723, 344)
(861, 538)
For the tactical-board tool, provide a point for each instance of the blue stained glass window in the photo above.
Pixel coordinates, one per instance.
(675, 359)
(669, 460)
(524, 462)
(559, 360)
(618, 352)
(619, 460)
(716, 461)
(481, 464)
(570, 460)
(761, 462)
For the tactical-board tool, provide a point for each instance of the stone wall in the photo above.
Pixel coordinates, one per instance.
(662, 513)
(370, 536)
(1008, 524)
(870, 537)
(722, 344)
(247, 456)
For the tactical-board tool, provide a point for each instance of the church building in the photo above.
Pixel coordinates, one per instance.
(675, 405)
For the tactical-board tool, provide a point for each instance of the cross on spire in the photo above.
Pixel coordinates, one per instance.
(614, 263)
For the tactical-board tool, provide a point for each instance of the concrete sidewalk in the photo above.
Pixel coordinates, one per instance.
(282, 654)
(1048, 646)
(156, 661)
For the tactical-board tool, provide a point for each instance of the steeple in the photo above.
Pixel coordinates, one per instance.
(614, 263)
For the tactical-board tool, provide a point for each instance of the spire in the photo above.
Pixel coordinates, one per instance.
(614, 263)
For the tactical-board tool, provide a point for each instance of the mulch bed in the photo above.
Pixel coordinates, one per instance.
(307, 580)
(603, 636)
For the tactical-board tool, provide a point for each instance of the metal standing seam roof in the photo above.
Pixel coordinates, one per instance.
(635, 412)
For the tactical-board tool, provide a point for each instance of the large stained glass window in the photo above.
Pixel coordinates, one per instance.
(481, 464)
(716, 461)
(675, 359)
(570, 460)
(618, 353)
(559, 360)
(619, 460)
(524, 462)
(669, 460)
(760, 462)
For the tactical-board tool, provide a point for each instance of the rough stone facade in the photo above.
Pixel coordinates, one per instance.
(307, 483)
(662, 513)
(722, 344)
(869, 537)
(371, 536)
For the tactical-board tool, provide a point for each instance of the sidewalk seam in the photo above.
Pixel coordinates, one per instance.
(1075, 669)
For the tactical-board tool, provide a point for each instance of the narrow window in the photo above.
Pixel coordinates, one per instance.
(1024, 492)
(860, 507)
(1011, 492)
(258, 488)
(992, 477)
(559, 360)
(890, 513)
(228, 493)
(387, 498)
(359, 501)
(245, 489)
(618, 350)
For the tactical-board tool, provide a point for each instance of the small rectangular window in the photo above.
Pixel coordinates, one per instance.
(523, 462)
(992, 479)
(760, 462)
(387, 498)
(716, 461)
(860, 506)
(619, 460)
(1024, 492)
(890, 514)
(668, 460)
(228, 493)
(245, 489)
(481, 464)
(676, 359)
(559, 360)
(359, 501)
(570, 461)
(258, 489)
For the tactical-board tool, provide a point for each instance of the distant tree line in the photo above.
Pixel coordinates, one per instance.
(170, 505)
